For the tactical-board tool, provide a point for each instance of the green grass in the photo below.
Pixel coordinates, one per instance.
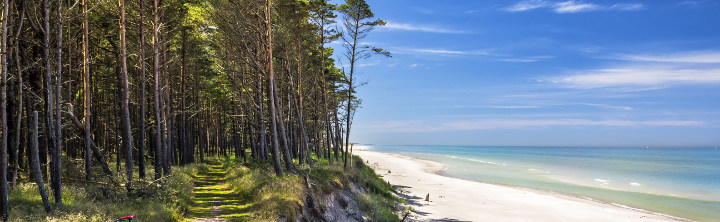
(266, 196)
(164, 200)
(212, 191)
(242, 191)
(270, 198)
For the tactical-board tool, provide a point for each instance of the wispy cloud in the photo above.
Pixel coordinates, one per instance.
(500, 107)
(527, 59)
(643, 76)
(574, 7)
(419, 28)
(625, 108)
(401, 50)
(648, 72)
(543, 123)
(528, 124)
(685, 57)
(519, 60)
(570, 6)
(689, 3)
(526, 5)
(628, 7)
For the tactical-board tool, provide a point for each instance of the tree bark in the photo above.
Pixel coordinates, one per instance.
(271, 89)
(57, 171)
(49, 113)
(166, 114)
(86, 95)
(183, 129)
(3, 116)
(18, 127)
(286, 149)
(125, 108)
(158, 116)
(36, 165)
(141, 155)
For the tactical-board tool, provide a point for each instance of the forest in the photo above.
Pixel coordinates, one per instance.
(121, 93)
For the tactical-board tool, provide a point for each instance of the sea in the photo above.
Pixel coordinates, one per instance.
(681, 182)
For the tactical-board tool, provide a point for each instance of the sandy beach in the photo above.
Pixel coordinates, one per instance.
(453, 199)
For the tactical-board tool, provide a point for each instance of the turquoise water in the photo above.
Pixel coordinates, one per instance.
(682, 182)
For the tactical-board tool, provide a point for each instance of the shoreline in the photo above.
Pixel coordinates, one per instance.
(459, 199)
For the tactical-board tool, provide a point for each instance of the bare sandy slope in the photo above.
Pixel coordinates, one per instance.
(454, 199)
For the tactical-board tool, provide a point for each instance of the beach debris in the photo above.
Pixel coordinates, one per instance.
(388, 171)
(406, 214)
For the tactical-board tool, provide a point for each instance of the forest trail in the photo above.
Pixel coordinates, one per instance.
(214, 199)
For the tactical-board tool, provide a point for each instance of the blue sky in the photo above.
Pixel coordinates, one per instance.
(542, 72)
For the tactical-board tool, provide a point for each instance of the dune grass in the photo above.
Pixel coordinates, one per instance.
(270, 198)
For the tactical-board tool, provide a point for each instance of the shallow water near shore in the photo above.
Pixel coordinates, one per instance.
(681, 182)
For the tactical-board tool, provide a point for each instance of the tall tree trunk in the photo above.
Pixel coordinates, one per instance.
(304, 139)
(283, 133)
(261, 118)
(348, 118)
(167, 115)
(36, 165)
(338, 134)
(183, 132)
(3, 115)
(86, 91)
(49, 113)
(16, 149)
(328, 123)
(158, 126)
(141, 155)
(125, 108)
(271, 89)
(57, 171)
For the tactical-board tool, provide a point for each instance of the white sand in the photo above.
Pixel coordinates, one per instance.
(453, 199)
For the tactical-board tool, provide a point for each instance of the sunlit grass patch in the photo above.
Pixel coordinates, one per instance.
(163, 200)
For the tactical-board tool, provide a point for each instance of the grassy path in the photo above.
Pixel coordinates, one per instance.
(214, 200)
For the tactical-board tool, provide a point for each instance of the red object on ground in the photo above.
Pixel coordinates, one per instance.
(128, 217)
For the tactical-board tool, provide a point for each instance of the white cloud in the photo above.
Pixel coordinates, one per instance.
(529, 124)
(649, 72)
(573, 7)
(501, 107)
(543, 123)
(519, 60)
(400, 50)
(627, 7)
(644, 76)
(686, 57)
(440, 51)
(527, 59)
(526, 5)
(625, 108)
(570, 6)
(420, 28)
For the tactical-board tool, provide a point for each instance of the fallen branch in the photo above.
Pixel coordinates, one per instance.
(313, 201)
(95, 150)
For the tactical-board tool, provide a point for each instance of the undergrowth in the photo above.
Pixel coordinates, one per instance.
(273, 198)
(152, 200)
